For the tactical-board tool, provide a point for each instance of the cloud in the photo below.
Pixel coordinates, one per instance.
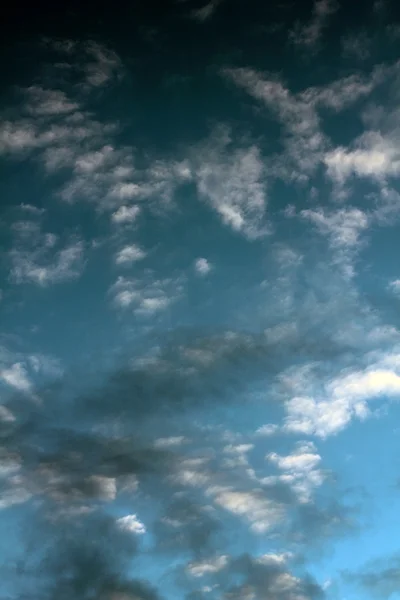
(118, 443)
(96, 64)
(131, 523)
(202, 266)
(356, 45)
(16, 376)
(309, 35)
(147, 296)
(374, 157)
(395, 286)
(268, 576)
(380, 578)
(125, 214)
(129, 254)
(40, 258)
(200, 568)
(80, 557)
(206, 12)
(343, 226)
(343, 398)
(301, 469)
(42, 102)
(252, 505)
(305, 144)
(231, 179)
(268, 429)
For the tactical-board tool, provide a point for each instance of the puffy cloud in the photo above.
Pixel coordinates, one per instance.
(252, 505)
(343, 399)
(202, 266)
(129, 254)
(131, 523)
(125, 214)
(145, 297)
(17, 377)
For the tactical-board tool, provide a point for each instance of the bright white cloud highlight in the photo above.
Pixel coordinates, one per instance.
(202, 266)
(129, 254)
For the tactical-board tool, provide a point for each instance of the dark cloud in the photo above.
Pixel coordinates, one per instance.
(85, 558)
(379, 578)
(73, 453)
(268, 578)
(187, 526)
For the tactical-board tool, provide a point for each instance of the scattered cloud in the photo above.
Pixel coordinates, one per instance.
(129, 255)
(342, 399)
(309, 35)
(125, 214)
(233, 181)
(252, 505)
(343, 226)
(17, 377)
(145, 297)
(202, 266)
(200, 568)
(301, 468)
(41, 258)
(205, 12)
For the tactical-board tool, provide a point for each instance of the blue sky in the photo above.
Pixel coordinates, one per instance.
(199, 299)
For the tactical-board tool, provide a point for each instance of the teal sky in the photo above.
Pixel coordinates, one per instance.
(199, 301)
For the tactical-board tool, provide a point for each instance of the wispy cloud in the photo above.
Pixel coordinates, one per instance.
(233, 181)
(205, 12)
(309, 35)
(145, 296)
(41, 258)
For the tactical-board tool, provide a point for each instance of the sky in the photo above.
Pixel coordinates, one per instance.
(199, 301)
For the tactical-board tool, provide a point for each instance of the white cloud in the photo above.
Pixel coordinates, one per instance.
(343, 226)
(129, 254)
(34, 260)
(374, 156)
(305, 144)
(145, 296)
(17, 377)
(205, 567)
(262, 513)
(233, 181)
(268, 429)
(170, 442)
(131, 523)
(301, 468)
(395, 286)
(202, 266)
(125, 214)
(342, 399)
